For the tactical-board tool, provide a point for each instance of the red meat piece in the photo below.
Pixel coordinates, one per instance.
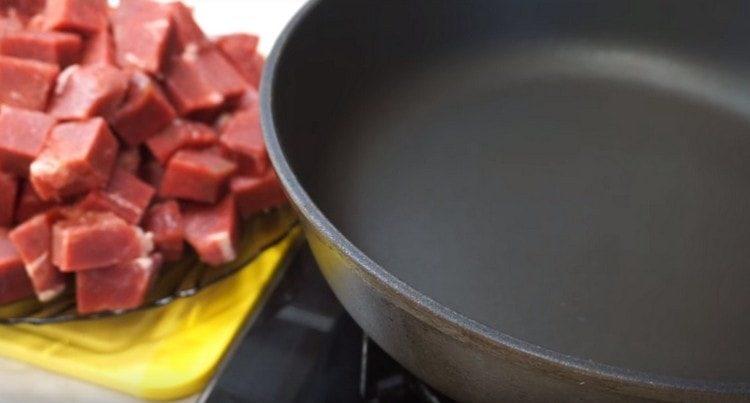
(186, 31)
(14, 283)
(240, 49)
(8, 192)
(21, 8)
(99, 48)
(243, 135)
(196, 175)
(256, 194)
(212, 230)
(84, 16)
(30, 204)
(164, 220)
(33, 239)
(78, 157)
(145, 112)
(125, 195)
(118, 287)
(22, 136)
(141, 30)
(26, 83)
(10, 23)
(201, 80)
(91, 240)
(86, 91)
(129, 160)
(50, 47)
(180, 134)
(249, 100)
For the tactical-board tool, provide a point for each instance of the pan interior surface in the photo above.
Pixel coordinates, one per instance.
(588, 196)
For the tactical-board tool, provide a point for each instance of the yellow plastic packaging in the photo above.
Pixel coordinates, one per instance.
(161, 353)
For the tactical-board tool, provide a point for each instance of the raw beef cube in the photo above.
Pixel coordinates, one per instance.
(212, 231)
(30, 204)
(125, 195)
(26, 83)
(202, 80)
(240, 49)
(50, 47)
(185, 31)
(129, 160)
(33, 240)
(93, 240)
(255, 194)
(152, 172)
(99, 48)
(118, 287)
(249, 100)
(10, 23)
(84, 16)
(86, 91)
(21, 8)
(14, 283)
(8, 193)
(243, 135)
(141, 31)
(145, 112)
(196, 175)
(164, 220)
(22, 136)
(180, 134)
(78, 157)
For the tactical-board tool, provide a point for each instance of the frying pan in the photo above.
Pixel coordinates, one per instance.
(528, 199)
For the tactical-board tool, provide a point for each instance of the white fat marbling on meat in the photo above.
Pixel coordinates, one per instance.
(64, 77)
(147, 241)
(223, 242)
(34, 266)
(51, 293)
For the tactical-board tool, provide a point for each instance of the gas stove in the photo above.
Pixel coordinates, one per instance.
(303, 347)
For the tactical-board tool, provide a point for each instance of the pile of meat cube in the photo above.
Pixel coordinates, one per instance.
(124, 133)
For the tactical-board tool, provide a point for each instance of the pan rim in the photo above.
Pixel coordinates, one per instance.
(439, 316)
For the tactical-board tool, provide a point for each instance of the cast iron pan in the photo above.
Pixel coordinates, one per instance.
(567, 181)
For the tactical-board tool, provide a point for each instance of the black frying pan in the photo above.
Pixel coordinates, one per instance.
(529, 199)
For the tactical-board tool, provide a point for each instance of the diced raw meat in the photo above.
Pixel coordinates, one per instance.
(141, 30)
(129, 160)
(249, 100)
(30, 204)
(8, 192)
(164, 220)
(94, 240)
(212, 231)
(118, 287)
(240, 49)
(202, 80)
(50, 47)
(84, 16)
(86, 91)
(152, 172)
(125, 195)
(186, 31)
(9, 24)
(26, 83)
(243, 135)
(196, 175)
(145, 112)
(33, 240)
(78, 157)
(14, 283)
(256, 194)
(22, 136)
(21, 8)
(99, 48)
(178, 135)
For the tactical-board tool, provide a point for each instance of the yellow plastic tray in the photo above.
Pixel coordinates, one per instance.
(162, 353)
